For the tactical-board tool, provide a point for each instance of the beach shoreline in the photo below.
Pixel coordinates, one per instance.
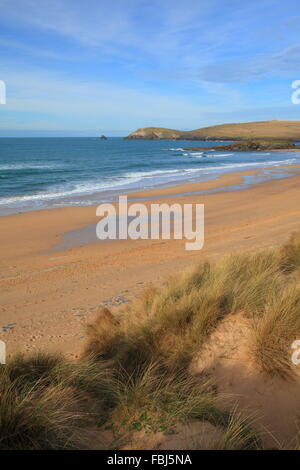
(48, 298)
(112, 168)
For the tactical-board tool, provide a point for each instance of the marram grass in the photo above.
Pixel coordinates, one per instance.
(133, 376)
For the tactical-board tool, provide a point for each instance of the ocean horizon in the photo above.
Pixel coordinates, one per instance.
(50, 172)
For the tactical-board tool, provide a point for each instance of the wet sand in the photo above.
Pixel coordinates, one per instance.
(48, 296)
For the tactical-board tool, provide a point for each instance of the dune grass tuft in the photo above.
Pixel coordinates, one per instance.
(240, 433)
(170, 324)
(173, 397)
(38, 416)
(290, 253)
(275, 330)
(43, 401)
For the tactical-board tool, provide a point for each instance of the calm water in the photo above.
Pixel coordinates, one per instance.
(37, 173)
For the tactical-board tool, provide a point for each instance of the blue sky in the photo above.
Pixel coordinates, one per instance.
(75, 67)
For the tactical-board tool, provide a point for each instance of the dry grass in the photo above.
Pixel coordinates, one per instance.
(278, 324)
(44, 401)
(290, 253)
(151, 401)
(134, 373)
(239, 433)
(38, 416)
(275, 330)
(170, 324)
(167, 398)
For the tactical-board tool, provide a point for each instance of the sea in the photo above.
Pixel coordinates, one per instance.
(39, 173)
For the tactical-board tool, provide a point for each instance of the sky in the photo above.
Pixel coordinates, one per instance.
(84, 68)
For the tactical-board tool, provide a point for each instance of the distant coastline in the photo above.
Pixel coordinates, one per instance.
(283, 130)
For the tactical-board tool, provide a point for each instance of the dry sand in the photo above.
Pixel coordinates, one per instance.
(48, 297)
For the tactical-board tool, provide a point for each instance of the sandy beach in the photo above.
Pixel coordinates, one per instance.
(48, 295)
(149, 230)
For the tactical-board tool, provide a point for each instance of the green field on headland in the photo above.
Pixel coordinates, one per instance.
(286, 130)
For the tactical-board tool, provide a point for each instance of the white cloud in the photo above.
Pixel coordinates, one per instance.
(88, 104)
(202, 50)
